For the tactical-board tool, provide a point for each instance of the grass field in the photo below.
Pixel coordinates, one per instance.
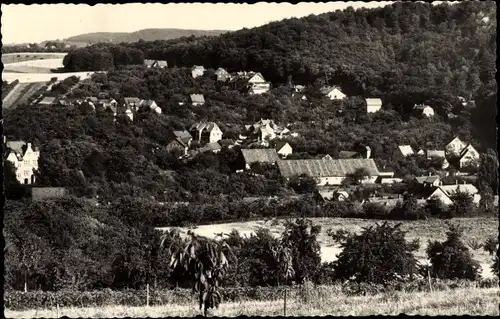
(470, 301)
(478, 229)
(20, 94)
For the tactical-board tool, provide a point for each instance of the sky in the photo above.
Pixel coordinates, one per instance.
(36, 23)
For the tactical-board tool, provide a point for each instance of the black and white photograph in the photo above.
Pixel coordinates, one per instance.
(250, 159)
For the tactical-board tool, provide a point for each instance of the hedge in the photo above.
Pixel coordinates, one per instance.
(18, 300)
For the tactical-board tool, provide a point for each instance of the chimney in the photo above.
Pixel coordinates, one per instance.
(429, 173)
(4, 139)
(368, 152)
(28, 145)
(456, 182)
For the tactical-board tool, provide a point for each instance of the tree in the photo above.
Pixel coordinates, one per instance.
(359, 175)
(303, 184)
(462, 205)
(378, 255)
(451, 259)
(491, 246)
(205, 264)
(283, 256)
(488, 171)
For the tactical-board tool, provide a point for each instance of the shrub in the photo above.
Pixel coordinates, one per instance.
(378, 255)
(491, 246)
(451, 259)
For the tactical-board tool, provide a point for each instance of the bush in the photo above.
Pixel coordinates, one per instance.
(451, 259)
(491, 246)
(378, 255)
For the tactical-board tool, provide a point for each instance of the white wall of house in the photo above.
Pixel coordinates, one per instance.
(372, 108)
(438, 193)
(336, 94)
(285, 150)
(428, 111)
(215, 135)
(25, 167)
(337, 180)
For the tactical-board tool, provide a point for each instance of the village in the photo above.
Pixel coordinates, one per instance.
(265, 143)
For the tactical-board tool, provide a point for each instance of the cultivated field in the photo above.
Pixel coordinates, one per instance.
(28, 56)
(20, 94)
(462, 301)
(478, 229)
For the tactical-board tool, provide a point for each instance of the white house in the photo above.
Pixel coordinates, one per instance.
(373, 105)
(206, 132)
(257, 78)
(197, 71)
(222, 75)
(425, 110)
(129, 114)
(259, 88)
(333, 93)
(455, 147)
(24, 157)
(197, 99)
(468, 156)
(406, 150)
(283, 148)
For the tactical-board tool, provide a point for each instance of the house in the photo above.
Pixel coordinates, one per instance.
(208, 132)
(406, 150)
(373, 105)
(132, 102)
(327, 194)
(24, 157)
(110, 104)
(433, 154)
(455, 147)
(298, 88)
(48, 100)
(421, 152)
(445, 192)
(329, 172)
(266, 130)
(129, 114)
(156, 63)
(468, 156)
(259, 155)
(283, 148)
(222, 75)
(197, 99)
(352, 154)
(197, 71)
(423, 109)
(42, 193)
(389, 180)
(333, 93)
(185, 137)
(257, 78)
(178, 145)
(259, 88)
(151, 105)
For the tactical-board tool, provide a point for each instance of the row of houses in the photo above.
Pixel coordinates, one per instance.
(459, 153)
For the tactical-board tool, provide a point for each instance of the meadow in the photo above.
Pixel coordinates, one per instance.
(475, 230)
(28, 56)
(460, 301)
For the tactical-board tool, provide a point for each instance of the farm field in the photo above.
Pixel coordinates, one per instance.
(28, 56)
(42, 77)
(461, 301)
(34, 66)
(478, 229)
(20, 94)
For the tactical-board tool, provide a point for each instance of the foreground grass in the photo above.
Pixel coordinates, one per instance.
(470, 301)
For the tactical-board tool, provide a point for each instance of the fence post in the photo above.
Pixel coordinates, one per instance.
(57, 305)
(429, 276)
(147, 295)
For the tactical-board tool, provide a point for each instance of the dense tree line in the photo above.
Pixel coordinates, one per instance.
(101, 57)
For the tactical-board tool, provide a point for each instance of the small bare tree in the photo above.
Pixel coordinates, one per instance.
(283, 256)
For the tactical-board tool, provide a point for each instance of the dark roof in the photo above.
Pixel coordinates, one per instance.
(349, 154)
(208, 126)
(262, 155)
(326, 168)
(226, 142)
(180, 141)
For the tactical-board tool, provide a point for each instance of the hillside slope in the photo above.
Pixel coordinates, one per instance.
(146, 35)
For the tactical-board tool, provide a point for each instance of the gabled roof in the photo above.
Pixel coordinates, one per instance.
(456, 139)
(197, 98)
(201, 126)
(182, 134)
(17, 147)
(256, 155)
(326, 168)
(198, 67)
(132, 100)
(467, 149)
(420, 107)
(406, 150)
(279, 145)
(221, 71)
(328, 89)
(431, 179)
(180, 141)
